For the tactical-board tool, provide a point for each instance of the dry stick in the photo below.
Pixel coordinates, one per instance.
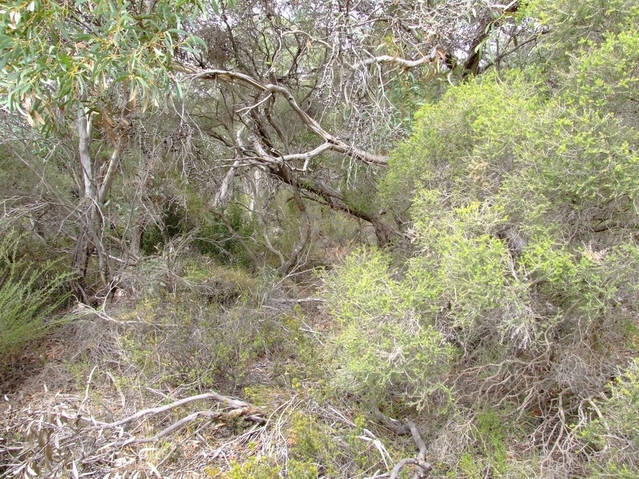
(426, 467)
(417, 437)
(234, 403)
(407, 427)
(122, 397)
(173, 427)
(86, 391)
(390, 59)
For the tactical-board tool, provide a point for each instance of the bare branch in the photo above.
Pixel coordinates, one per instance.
(330, 142)
(234, 403)
(191, 417)
(392, 59)
(401, 429)
(424, 466)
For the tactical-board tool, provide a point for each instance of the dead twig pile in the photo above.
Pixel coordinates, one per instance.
(63, 438)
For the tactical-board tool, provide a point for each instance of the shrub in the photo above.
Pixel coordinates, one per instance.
(613, 438)
(29, 295)
(518, 193)
(384, 349)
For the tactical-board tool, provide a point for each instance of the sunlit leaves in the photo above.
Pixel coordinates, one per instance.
(55, 53)
(384, 347)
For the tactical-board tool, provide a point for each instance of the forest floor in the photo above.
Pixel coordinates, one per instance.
(187, 382)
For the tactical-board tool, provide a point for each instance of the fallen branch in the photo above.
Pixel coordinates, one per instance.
(417, 438)
(234, 403)
(424, 466)
(173, 427)
(408, 427)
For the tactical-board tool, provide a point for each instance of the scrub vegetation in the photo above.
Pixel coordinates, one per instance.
(299, 239)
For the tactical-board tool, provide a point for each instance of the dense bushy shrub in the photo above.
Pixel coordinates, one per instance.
(385, 350)
(520, 293)
(613, 435)
(30, 295)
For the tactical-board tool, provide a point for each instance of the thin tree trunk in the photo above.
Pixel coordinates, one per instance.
(83, 124)
(294, 257)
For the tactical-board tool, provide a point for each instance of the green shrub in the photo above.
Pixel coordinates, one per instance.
(519, 195)
(218, 238)
(266, 468)
(384, 349)
(29, 296)
(613, 437)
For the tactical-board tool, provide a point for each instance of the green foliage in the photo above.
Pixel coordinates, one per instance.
(613, 436)
(215, 234)
(210, 328)
(490, 435)
(463, 274)
(54, 54)
(265, 468)
(465, 143)
(361, 196)
(383, 347)
(219, 238)
(573, 26)
(311, 447)
(152, 241)
(30, 295)
(521, 189)
(327, 449)
(311, 441)
(255, 467)
(489, 450)
(498, 157)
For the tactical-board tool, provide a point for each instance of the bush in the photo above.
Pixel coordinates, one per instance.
(613, 437)
(384, 349)
(521, 191)
(29, 295)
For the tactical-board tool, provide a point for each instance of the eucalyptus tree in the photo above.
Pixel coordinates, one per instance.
(86, 70)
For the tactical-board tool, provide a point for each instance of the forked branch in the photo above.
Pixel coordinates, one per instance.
(330, 142)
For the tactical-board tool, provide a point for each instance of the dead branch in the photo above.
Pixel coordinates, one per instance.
(402, 429)
(330, 142)
(424, 466)
(174, 426)
(392, 59)
(234, 403)
(211, 414)
(336, 144)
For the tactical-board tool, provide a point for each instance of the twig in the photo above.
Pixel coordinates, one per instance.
(370, 437)
(424, 466)
(173, 427)
(86, 390)
(234, 403)
(406, 428)
(417, 437)
(118, 389)
(82, 308)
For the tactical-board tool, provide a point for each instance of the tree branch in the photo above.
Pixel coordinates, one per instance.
(332, 143)
(234, 403)
(392, 59)
(402, 429)
(424, 466)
